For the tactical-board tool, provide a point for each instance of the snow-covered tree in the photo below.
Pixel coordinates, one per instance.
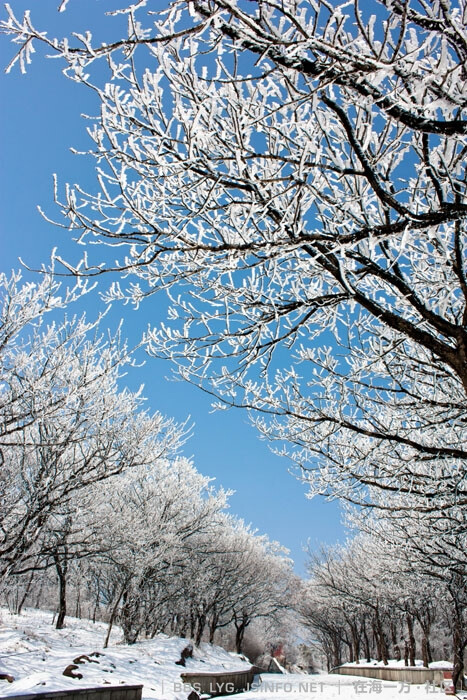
(372, 599)
(23, 306)
(244, 576)
(65, 423)
(347, 602)
(292, 173)
(151, 519)
(429, 547)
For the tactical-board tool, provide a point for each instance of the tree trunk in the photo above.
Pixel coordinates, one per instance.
(78, 602)
(112, 617)
(380, 638)
(62, 569)
(366, 643)
(239, 635)
(412, 643)
(336, 651)
(355, 643)
(129, 616)
(459, 643)
(201, 624)
(395, 645)
(425, 651)
(425, 620)
(379, 654)
(240, 628)
(181, 627)
(94, 611)
(25, 595)
(350, 647)
(39, 593)
(192, 625)
(213, 627)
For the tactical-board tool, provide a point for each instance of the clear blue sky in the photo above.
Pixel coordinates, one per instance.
(40, 121)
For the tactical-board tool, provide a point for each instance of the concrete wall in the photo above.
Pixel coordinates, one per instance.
(106, 692)
(219, 683)
(388, 673)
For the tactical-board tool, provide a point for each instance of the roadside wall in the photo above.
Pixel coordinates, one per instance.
(116, 692)
(219, 683)
(388, 673)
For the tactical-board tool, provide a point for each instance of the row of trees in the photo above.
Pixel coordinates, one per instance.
(65, 424)
(365, 600)
(92, 482)
(293, 175)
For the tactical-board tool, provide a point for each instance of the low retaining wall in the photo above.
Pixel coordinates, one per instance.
(394, 673)
(223, 683)
(105, 692)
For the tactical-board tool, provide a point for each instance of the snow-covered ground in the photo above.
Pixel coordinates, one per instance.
(36, 655)
(335, 687)
(446, 665)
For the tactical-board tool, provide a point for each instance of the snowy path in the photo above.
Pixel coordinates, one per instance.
(330, 687)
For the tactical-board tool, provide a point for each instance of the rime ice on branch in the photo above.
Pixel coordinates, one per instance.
(293, 175)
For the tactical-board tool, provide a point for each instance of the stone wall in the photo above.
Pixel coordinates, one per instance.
(394, 673)
(105, 692)
(219, 683)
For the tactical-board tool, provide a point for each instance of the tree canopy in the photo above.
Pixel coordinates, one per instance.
(292, 175)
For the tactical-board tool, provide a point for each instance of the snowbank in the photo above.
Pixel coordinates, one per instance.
(401, 664)
(36, 654)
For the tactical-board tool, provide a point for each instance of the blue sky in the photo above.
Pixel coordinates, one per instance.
(40, 121)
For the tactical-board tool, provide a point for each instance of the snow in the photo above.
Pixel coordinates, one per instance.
(393, 663)
(36, 654)
(334, 687)
(447, 665)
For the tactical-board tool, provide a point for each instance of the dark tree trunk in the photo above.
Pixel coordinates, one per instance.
(355, 643)
(192, 625)
(379, 653)
(366, 644)
(425, 620)
(78, 602)
(426, 651)
(95, 609)
(62, 570)
(350, 647)
(201, 624)
(22, 601)
(240, 627)
(336, 651)
(129, 617)
(112, 618)
(239, 635)
(395, 645)
(213, 627)
(459, 643)
(380, 639)
(412, 643)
